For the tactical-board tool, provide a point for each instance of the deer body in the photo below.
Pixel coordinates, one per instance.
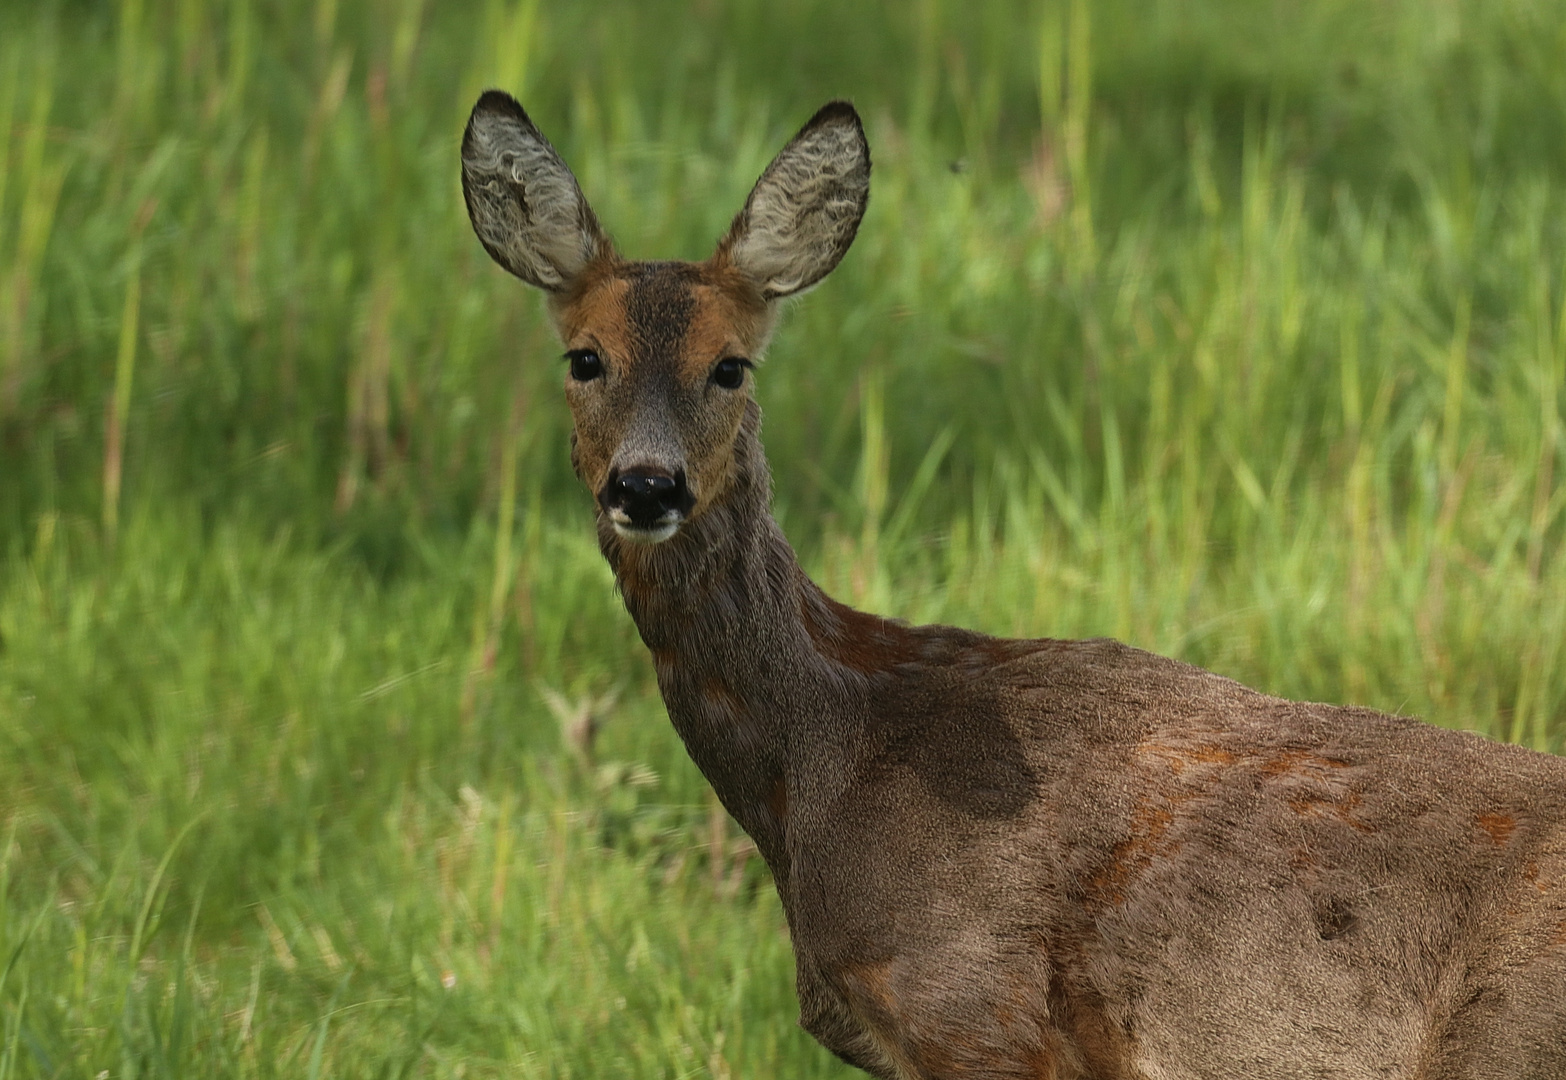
(1019, 859)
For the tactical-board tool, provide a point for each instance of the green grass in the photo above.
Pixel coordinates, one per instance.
(1235, 329)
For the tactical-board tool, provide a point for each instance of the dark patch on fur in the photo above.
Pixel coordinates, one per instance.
(1334, 919)
(777, 801)
(659, 308)
(966, 757)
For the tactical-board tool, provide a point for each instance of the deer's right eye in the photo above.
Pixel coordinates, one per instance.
(585, 365)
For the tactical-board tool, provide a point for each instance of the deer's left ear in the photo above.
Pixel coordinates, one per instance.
(523, 201)
(804, 211)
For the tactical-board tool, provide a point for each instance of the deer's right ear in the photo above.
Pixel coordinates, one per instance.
(804, 211)
(523, 201)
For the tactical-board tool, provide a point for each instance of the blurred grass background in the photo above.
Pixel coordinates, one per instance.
(1232, 328)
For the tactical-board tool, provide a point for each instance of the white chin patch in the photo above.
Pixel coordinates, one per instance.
(655, 535)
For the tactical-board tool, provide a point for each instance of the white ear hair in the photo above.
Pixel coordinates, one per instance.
(523, 201)
(804, 211)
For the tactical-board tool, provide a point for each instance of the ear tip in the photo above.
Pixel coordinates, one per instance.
(840, 113)
(493, 106)
(495, 109)
(837, 111)
(838, 107)
(494, 101)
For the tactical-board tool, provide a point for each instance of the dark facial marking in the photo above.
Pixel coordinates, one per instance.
(659, 307)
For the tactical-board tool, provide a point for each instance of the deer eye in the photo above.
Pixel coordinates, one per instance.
(730, 372)
(585, 365)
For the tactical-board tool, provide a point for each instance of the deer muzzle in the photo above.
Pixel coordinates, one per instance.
(646, 505)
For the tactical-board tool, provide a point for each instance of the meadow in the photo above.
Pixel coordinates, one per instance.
(1235, 329)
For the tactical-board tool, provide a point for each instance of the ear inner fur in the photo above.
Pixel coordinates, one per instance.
(523, 201)
(804, 212)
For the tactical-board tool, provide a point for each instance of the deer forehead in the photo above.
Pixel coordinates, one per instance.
(675, 318)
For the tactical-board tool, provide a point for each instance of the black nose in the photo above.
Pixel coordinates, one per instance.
(647, 495)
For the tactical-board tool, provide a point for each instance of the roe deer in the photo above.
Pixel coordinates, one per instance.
(1008, 859)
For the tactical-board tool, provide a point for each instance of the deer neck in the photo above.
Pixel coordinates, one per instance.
(728, 615)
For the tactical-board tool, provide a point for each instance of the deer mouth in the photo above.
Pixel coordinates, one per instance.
(645, 532)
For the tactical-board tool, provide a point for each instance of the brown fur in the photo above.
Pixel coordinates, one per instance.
(1050, 859)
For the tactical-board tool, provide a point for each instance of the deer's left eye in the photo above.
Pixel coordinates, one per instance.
(585, 365)
(730, 372)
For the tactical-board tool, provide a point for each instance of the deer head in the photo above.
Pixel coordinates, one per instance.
(660, 352)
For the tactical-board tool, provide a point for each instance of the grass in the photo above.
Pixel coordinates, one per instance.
(1236, 330)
